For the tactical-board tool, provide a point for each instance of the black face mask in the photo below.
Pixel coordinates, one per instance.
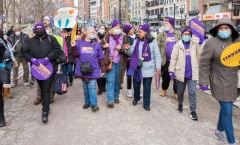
(39, 33)
(101, 36)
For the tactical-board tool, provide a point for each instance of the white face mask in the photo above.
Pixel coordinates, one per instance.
(133, 36)
(17, 33)
(5, 37)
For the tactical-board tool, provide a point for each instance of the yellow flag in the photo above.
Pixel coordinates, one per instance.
(73, 33)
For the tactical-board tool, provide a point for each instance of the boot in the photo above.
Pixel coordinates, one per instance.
(6, 93)
(45, 117)
(176, 96)
(2, 121)
(37, 101)
(51, 99)
(163, 93)
(70, 82)
(104, 85)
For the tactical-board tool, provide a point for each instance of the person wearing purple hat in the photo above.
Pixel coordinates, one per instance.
(184, 68)
(113, 45)
(144, 65)
(49, 52)
(166, 41)
(129, 31)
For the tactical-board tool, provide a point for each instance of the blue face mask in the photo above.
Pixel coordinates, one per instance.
(117, 31)
(91, 37)
(166, 29)
(224, 34)
(186, 38)
(101, 31)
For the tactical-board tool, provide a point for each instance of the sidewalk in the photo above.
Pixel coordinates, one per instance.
(123, 125)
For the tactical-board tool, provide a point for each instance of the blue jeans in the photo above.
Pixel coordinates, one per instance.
(146, 91)
(113, 82)
(225, 120)
(68, 70)
(90, 93)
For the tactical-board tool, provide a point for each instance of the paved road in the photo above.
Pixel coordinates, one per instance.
(123, 125)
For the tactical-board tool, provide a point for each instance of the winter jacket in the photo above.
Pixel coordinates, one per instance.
(9, 32)
(8, 51)
(222, 79)
(40, 48)
(124, 57)
(178, 60)
(71, 59)
(2, 52)
(24, 41)
(162, 43)
(148, 67)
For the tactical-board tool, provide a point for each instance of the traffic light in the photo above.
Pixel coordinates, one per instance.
(208, 5)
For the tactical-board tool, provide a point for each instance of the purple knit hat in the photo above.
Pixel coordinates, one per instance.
(145, 27)
(170, 20)
(186, 29)
(115, 23)
(40, 24)
(127, 28)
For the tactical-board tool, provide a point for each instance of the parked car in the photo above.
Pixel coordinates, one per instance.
(153, 29)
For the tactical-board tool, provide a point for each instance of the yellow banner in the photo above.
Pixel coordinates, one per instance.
(231, 55)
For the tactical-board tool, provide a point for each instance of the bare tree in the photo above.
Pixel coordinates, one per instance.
(6, 8)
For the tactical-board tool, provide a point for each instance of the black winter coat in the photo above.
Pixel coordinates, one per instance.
(40, 48)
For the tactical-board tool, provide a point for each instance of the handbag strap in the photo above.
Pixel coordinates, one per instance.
(90, 54)
(145, 50)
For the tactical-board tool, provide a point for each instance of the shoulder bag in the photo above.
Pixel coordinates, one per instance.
(86, 68)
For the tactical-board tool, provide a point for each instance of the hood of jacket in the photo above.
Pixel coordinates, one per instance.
(224, 21)
(51, 21)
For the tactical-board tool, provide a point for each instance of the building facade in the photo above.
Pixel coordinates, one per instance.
(95, 10)
(137, 12)
(117, 9)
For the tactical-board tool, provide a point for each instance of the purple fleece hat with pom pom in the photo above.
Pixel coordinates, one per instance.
(40, 24)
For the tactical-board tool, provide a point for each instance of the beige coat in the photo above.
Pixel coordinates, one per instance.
(178, 60)
(222, 79)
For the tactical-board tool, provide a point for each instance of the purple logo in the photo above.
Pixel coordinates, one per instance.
(42, 72)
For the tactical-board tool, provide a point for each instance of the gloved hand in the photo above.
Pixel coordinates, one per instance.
(203, 88)
(35, 61)
(201, 40)
(172, 75)
(45, 61)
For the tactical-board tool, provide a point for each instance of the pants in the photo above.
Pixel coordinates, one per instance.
(146, 91)
(9, 65)
(101, 82)
(166, 78)
(1, 100)
(45, 87)
(52, 93)
(68, 70)
(129, 78)
(191, 92)
(90, 93)
(25, 70)
(225, 120)
(113, 82)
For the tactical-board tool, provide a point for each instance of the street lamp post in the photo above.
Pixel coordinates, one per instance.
(84, 19)
(114, 11)
(120, 7)
(181, 11)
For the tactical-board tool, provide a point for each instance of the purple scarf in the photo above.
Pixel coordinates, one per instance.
(116, 38)
(146, 56)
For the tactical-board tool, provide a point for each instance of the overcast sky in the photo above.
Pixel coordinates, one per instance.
(75, 2)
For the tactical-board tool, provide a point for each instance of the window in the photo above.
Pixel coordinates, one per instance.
(139, 12)
(135, 5)
(152, 3)
(194, 5)
(136, 13)
(133, 13)
(139, 5)
(132, 6)
(156, 11)
(152, 12)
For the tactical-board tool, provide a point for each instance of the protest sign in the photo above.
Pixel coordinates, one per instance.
(42, 72)
(65, 17)
(197, 28)
(231, 55)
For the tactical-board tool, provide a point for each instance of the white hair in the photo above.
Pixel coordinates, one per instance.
(87, 29)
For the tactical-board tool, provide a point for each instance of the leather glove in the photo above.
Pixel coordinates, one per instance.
(172, 75)
(35, 61)
(203, 88)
